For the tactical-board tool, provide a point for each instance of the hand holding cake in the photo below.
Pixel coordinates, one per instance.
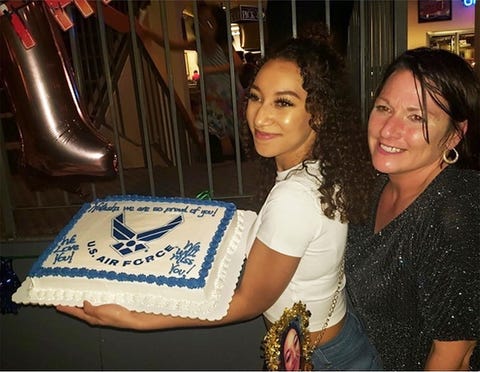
(103, 315)
(119, 317)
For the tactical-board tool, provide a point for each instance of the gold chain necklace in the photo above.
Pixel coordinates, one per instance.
(332, 306)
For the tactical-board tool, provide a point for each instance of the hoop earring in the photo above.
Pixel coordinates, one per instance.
(447, 152)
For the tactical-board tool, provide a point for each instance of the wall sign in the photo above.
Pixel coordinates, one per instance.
(434, 10)
(244, 13)
(469, 2)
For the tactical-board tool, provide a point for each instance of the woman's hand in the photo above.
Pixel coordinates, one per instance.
(103, 315)
(450, 355)
(117, 316)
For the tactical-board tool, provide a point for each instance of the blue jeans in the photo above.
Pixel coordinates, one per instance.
(349, 350)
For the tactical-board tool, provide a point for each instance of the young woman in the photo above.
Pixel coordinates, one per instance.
(216, 74)
(413, 270)
(317, 169)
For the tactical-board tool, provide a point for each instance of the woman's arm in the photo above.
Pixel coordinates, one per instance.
(267, 274)
(451, 256)
(146, 33)
(450, 355)
(237, 63)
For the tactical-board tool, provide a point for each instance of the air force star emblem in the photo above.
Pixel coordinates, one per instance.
(130, 242)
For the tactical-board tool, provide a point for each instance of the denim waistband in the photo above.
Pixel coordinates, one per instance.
(349, 350)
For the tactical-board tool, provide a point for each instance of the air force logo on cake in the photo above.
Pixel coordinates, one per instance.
(130, 241)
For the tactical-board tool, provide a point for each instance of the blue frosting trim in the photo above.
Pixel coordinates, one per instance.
(38, 271)
(37, 266)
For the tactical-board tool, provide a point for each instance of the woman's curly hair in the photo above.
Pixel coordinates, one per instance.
(341, 141)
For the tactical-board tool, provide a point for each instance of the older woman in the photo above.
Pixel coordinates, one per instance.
(413, 270)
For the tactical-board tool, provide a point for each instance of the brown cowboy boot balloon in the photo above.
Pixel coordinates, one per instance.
(57, 136)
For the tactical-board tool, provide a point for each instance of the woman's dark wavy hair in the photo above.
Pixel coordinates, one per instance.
(453, 85)
(341, 141)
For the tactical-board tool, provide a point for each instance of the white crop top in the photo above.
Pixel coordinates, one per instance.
(292, 222)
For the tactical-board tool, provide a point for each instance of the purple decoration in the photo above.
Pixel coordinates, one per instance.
(9, 283)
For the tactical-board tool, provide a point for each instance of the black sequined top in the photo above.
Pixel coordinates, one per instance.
(418, 279)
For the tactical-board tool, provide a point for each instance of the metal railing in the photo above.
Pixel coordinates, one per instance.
(137, 107)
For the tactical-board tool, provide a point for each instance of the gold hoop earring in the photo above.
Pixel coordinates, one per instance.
(446, 154)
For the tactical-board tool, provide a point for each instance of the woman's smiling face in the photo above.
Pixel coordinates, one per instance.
(277, 116)
(395, 129)
(291, 351)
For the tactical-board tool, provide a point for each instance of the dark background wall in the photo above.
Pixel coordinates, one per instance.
(39, 338)
(279, 20)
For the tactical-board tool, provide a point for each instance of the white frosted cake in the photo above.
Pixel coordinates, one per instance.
(173, 256)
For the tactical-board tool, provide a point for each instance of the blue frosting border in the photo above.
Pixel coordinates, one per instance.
(38, 271)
